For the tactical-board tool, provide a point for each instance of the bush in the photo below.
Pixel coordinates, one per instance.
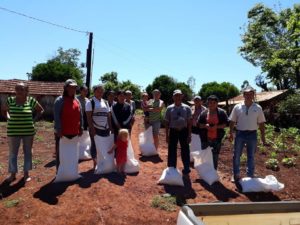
(289, 111)
(272, 164)
(289, 162)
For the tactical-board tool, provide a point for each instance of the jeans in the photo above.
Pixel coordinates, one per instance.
(216, 147)
(14, 144)
(248, 138)
(182, 136)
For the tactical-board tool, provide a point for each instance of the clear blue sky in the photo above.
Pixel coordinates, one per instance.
(138, 39)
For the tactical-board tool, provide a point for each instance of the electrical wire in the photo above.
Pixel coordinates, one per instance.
(44, 21)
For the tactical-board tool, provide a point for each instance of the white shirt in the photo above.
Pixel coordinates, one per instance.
(100, 113)
(247, 118)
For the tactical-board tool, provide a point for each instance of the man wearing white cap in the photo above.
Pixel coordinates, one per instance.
(248, 117)
(178, 128)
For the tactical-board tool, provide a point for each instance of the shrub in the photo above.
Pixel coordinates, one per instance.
(288, 110)
(289, 162)
(272, 164)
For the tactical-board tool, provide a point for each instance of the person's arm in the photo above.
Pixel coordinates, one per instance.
(167, 122)
(262, 133)
(81, 118)
(39, 111)
(4, 111)
(89, 118)
(231, 129)
(112, 149)
(202, 124)
(110, 123)
(58, 104)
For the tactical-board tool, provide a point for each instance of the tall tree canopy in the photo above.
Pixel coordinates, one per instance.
(111, 82)
(223, 91)
(64, 65)
(167, 84)
(271, 42)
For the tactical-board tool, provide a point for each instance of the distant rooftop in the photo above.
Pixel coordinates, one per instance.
(260, 97)
(35, 87)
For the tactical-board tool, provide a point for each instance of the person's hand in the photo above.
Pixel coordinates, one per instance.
(58, 134)
(92, 131)
(110, 151)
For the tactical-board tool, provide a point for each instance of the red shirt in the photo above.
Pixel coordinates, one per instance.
(70, 117)
(121, 153)
(213, 120)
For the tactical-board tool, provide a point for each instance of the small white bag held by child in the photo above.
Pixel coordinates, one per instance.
(171, 176)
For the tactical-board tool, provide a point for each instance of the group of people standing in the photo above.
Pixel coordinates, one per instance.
(115, 115)
(246, 118)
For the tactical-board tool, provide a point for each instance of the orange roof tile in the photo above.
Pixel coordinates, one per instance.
(35, 87)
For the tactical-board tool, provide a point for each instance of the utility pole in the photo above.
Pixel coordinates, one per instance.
(89, 52)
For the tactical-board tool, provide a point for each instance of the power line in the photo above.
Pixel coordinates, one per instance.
(43, 21)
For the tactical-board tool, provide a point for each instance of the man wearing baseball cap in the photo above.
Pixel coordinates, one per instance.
(247, 116)
(178, 123)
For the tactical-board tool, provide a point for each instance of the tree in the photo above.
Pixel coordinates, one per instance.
(186, 90)
(223, 91)
(110, 77)
(167, 84)
(245, 84)
(111, 82)
(61, 67)
(271, 42)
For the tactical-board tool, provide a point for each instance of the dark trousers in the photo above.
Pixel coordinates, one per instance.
(182, 137)
(93, 148)
(216, 147)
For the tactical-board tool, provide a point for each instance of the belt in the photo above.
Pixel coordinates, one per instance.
(178, 129)
(248, 131)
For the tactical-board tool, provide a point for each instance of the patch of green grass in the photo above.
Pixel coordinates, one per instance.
(36, 162)
(12, 203)
(39, 138)
(243, 159)
(164, 202)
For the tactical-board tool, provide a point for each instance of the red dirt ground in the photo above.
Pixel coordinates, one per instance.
(96, 199)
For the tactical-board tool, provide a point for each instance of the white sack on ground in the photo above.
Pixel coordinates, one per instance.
(203, 163)
(146, 143)
(68, 158)
(267, 184)
(195, 145)
(105, 161)
(84, 146)
(132, 165)
(171, 176)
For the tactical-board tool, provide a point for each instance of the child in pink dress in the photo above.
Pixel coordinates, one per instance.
(121, 149)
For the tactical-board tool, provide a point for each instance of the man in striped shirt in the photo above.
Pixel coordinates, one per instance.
(20, 126)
